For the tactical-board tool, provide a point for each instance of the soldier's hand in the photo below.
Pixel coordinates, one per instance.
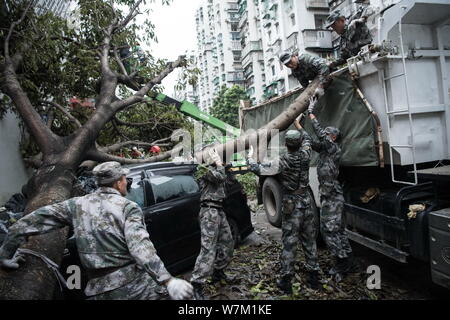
(319, 92)
(254, 167)
(13, 263)
(312, 104)
(298, 121)
(179, 289)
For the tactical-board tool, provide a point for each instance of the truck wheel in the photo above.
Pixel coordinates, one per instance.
(272, 198)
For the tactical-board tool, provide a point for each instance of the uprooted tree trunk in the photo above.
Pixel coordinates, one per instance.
(263, 135)
(61, 156)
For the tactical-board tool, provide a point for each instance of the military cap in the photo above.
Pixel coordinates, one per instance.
(333, 130)
(109, 172)
(335, 15)
(285, 57)
(293, 138)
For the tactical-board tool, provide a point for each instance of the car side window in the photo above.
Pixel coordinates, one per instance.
(136, 193)
(171, 187)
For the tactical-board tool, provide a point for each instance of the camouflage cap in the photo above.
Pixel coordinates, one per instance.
(332, 18)
(109, 172)
(285, 57)
(293, 138)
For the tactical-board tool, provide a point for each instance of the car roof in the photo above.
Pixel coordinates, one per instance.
(160, 168)
(159, 165)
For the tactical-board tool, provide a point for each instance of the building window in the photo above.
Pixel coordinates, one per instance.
(273, 70)
(319, 21)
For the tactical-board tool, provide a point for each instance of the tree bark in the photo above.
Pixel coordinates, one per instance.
(281, 123)
(34, 280)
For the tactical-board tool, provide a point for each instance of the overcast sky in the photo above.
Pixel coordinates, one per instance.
(176, 32)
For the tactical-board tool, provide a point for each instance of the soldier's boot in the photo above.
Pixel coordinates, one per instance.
(312, 279)
(219, 275)
(198, 291)
(284, 284)
(344, 266)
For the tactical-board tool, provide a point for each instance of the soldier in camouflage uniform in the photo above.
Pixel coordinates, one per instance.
(217, 243)
(353, 36)
(331, 195)
(298, 221)
(112, 241)
(306, 67)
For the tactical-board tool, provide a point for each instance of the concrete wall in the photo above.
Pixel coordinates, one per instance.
(13, 174)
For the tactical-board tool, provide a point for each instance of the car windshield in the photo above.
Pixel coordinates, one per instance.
(168, 188)
(136, 193)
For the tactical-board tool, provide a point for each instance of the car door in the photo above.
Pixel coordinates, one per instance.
(172, 219)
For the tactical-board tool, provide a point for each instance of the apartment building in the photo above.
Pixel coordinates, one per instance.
(295, 25)
(60, 8)
(189, 91)
(219, 48)
(259, 30)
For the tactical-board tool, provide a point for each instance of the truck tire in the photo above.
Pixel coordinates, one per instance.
(272, 198)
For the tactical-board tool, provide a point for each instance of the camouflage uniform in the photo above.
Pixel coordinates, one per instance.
(310, 67)
(331, 195)
(298, 221)
(112, 241)
(356, 35)
(216, 238)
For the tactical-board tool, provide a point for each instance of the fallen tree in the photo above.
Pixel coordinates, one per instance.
(264, 134)
(103, 29)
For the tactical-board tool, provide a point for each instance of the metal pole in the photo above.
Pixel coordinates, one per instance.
(407, 99)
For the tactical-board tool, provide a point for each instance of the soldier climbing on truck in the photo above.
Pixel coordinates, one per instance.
(353, 36)
(305, 68)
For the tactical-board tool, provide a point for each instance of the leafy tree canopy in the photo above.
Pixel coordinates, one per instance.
(226, 105)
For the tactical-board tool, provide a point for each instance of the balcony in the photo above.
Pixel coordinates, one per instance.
(317, 4)
(317, 39)
(243, 19)
(242, 6)
(251, 46)
(233, 7)
(235, 76)
(272, 4)
(236, 45)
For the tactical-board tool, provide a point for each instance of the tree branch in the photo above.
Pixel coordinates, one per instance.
(133, 124)
(120, 145)
(139, 96)
(100, 156)
(119, 62)
(131, 15)
(64, 111)
(11, 30)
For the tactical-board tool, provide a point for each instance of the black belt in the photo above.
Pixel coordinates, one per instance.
(98, 273)
(217, 205)
(299, 191)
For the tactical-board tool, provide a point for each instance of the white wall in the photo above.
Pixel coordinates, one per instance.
(12, 169)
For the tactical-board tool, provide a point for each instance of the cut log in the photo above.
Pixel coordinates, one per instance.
(280, 123)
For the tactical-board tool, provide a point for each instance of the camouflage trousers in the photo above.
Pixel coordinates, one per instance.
(298, 225)
(143, 287)
(217, 244)
(332, 226)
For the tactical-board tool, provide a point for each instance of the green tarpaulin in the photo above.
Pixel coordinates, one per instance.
(340, 107)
